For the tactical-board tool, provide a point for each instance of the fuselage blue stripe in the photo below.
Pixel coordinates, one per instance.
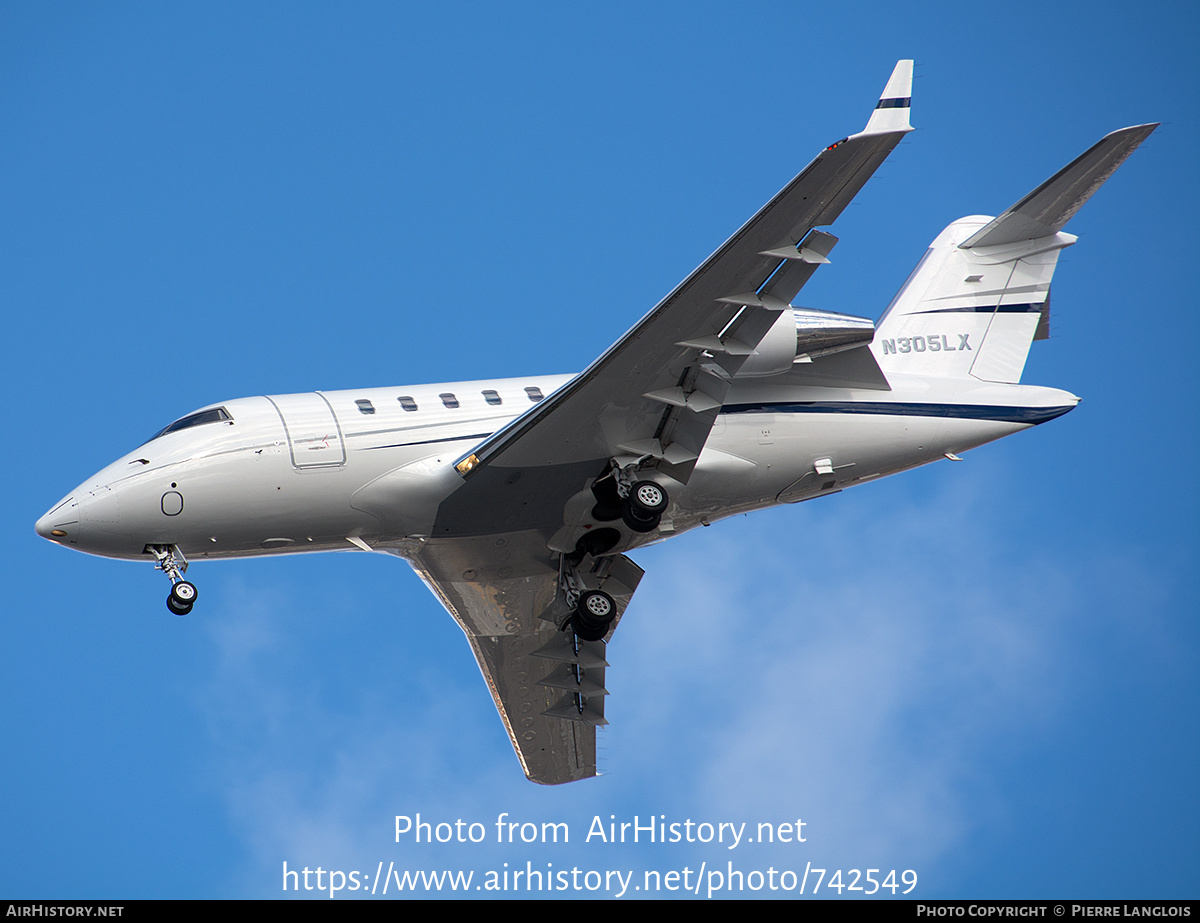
(989, 309)
(404, 445)
(1000, 414)
(997, 413)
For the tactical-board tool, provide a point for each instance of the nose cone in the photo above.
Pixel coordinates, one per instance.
(89, 520)
(59, 521)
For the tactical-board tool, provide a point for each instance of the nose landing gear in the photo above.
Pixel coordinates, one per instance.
(170, 560)
(183, 594)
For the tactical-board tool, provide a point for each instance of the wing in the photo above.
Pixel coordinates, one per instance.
(658, 389)
(547, 685)
(503, 539)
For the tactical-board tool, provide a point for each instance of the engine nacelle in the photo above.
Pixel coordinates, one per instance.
(805, 334)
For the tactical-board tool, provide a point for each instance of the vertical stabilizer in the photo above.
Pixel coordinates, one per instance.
(969, 312)
(981, 293)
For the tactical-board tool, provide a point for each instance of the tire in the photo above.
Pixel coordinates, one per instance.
(184, 593)
(587, 633)
(636, 522)
(605, 513)
(597, 606)
(648, 499)
(178, 608)
(594, 614)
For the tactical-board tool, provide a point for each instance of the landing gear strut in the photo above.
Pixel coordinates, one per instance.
(170, 560)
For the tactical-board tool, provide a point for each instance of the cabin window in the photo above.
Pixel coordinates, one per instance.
(215, 415)
(492, 397)
(449, 400)
(407, 402)
(365, 406)
(535, 394)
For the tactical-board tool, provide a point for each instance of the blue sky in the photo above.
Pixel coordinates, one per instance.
(986, 672)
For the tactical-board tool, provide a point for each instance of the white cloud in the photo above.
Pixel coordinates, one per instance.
(858, 661)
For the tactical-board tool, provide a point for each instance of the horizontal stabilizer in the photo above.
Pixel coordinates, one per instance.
(1048, 208)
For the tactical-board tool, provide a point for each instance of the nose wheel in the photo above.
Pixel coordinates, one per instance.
(182, 595)
(170, 560)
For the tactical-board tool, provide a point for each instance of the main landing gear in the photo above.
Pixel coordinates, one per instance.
(593, 611)
(644, 506)
(638, 504)
(170, 560)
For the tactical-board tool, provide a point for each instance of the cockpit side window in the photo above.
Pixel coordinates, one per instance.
(214, 415)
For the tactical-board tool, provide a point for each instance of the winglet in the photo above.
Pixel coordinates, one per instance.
(894, 104)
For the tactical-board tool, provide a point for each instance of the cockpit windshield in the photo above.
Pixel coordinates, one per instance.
(213, 415)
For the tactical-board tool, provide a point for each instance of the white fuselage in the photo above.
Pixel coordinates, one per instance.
(337, 470)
